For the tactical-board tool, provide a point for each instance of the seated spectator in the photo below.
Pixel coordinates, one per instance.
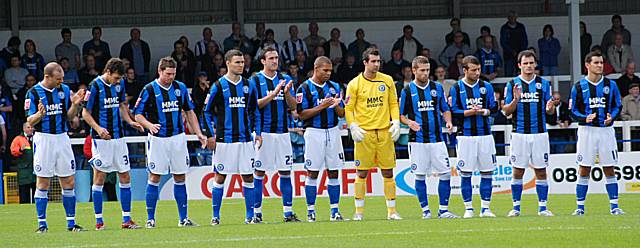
(433, 64)
(549, 48)
(619, 54)
(137, 52)
(15, 75)
(490, 60)
(22, 152)
(187, 50)
(296, 131)
(260, 36)
(12, 49)
(32, 60)
(186, 64)
(291, 46)
(90, 71)
(198, 95)
(347, 71)
(269, 41)
(631, 104)
(133, 87)
(484, 32)
(205, 61)
(71, 77)
(455, 70)
(407, 77)
(30, 81)
(616, 28)
(394, 67)
(313, 40)
(562, 119)
(607, 68)
(357, 47)
(68, 50)
(202, 46)
(250, 68)
(628, 78)
(585, 41)
(295, 75)
(335, 48)
(456, 24)
(448, 55)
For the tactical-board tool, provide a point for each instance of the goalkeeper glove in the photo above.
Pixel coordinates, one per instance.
(357, 133)
(395, 130)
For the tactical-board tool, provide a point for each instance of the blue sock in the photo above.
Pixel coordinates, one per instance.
(334, 194)
(421, 192)
(486, 188)
(542, 188)
(152, 199)
(287, 194)
(69, 203)
(125, 201)
(310, 191)
(612, 191)
(444, 192)
(516, 193)
(180, 194)
(257, 198)
(41, 198)
(216, 198)
(96, 194)
(581, 191)
(249, 194)
(466, 190)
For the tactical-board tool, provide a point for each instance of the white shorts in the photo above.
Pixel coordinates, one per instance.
(275, 153)
(110, 155)
(596, 141)
(167, 155)
(427, 158)
(323, 149)
(476, 153)
(52, 155)
(234, 158)
(529, 149)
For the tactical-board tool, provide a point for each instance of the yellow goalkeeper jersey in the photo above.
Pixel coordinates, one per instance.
(371, 103)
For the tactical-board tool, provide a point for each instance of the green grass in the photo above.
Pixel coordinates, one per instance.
(596, 229)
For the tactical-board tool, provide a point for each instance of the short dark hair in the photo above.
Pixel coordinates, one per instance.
(167, 62)
(470, 59)
(14, 41)
(65, 31)
(29, 41)
(407, 27)
(526, 53)
(262, 54)
(485, 28)
(115, 65)
(269, 31)
(454, 19)
(370, 51)
(633, 85)
(96, 28)
(419, 60)
(232, 53)
(548, 26)
(322, 60)
(589, 57)
(178, 42)
(616, 16)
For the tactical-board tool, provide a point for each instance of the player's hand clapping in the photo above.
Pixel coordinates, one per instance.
(414, 126)
(608, 120)
(590, 117)
(77, 97)
(154, 128)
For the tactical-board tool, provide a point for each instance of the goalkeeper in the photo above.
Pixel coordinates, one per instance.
(372, 114)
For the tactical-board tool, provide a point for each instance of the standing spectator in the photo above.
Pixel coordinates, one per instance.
(269, 41)
(68, 50)
(260, 36)
(455, 70)
(89, 71)
(631, 104)
(132, 86)
(628, 78)
(71, 77)
(97, 47)
(6, 109)
(187, 50)
(292, 45)
(619, 54)
(357, 47)
(394, 67)
(513, 39)
(334, 48)
(30, 81)
(201, 46)
(409, 45)
(22, 152)
(562, 119)
(185, 64)
(549, 48)
(137, 51)
(449, 53)
(32, 61)
(484, 32)
(237, 40)
(314, 40)
(15, 75)
(347, 71)
(585, 41)
(490, 61)
(301, 62)
(198, 95)
(12, 49)
(616, 28)
(426, 52)
(249, 67)
(456, 24)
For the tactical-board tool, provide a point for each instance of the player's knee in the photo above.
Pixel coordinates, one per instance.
(124, 177)
(67, 182)
(362, 174)
(518, 173)
(584, 171)
(333, 174)
(608, 171)
(247, 178)
(313, 174)
(387, 173)
(260, 173)
(220, 178)
(154, 178)
(284, 173)
(179, 178)
(541, 174)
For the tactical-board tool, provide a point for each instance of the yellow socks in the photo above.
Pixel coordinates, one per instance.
(360, 187)
(389, 194)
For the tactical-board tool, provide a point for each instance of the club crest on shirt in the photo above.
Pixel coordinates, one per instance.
(382, 88)
(605, 90)
(245, 89)
(434, 93)
(118, 88)
(538, 86)
(332, 91)
(177, 92)
(61, 94)
(483, 90)
(152, 165)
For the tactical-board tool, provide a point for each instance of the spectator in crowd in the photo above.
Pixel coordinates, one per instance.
(71, 77)
(561, 118)
(12, 49)
(202, 45)
(292, 45)
(68, 50)
(609, 37)
(357, 47)
(628, 78)
(222, 71)
(426, 52)
(89, 71)
(260, 36)
(441, 77)
(513, 39)
(317, 53)
(237, 40)
(455, 69)
(313, 40)
(249, 67)
(301, 62)
(407, 77)
(607, 67)
(138, 53)
(498, 117)
(484, 32)
(490, 61)
(619, 54)
(631, 104)
(347, 71)
(394, 67)
(133, 87)
(22, 152)
(218, 63)
(549, 48)
(186, 64)
(20, 117)
(3, 67)
(199, 94)
(334, 48)
(188, 51)
(97, 47)
(15, 75)
(205, 61)
(269, 41)
(295, 75)
(409, 45)
(296, 132)
(448, 55)
(32, 60)
(585, 41)
(6, 111)
(456, 24)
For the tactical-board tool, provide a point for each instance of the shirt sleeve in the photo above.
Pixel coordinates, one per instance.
(404, 109)
(253, 107)
(31, 103)
(301, 99)
(90, 97)
(573, 101)
(141, 102)
(508, 93)
(351, 100)
(186, 99)
(209, 108)
(491, 103)
(456, 109)
(393, 102)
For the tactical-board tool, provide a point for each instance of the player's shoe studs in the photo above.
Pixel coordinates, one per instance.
(336, 217)
(186, 223)
(546, 213)
(617, 211)
(513, 213)
(447, 215)
(130, 225)
(291, 218)
(468, 214)
(394, 216)
(487, 213)
(578, 212)
(150, 224)
(259, 217)
(358, 217)
(42, 229)
(215, 221)
(75, 228)
(100, 226)
(311, 217)
(426, 215)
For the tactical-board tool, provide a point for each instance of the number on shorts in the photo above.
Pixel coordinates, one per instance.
(73, 164)
(447, 160)
(614, 154)
(341, 156)
(288, 160)
(546, 157)
(126, 159)
(493, 158)
(253, 161)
